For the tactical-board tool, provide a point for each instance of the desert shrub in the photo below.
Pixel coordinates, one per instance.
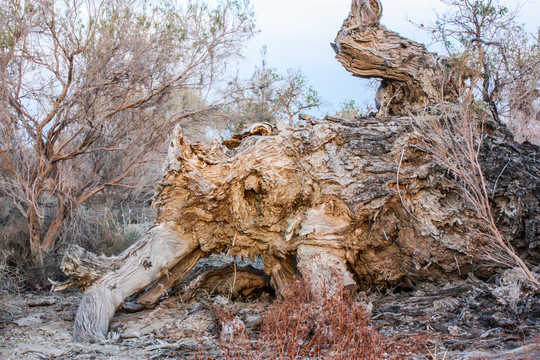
(95, 108)
(501, 57)
(16, 264)
(10, 279)
(19, 270)
(104, 228)
(350, 109)
(299, 326)
(269, 96)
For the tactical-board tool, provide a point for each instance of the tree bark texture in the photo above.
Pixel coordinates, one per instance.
(356, 202)
(411, 76)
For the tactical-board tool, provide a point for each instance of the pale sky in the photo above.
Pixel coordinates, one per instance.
(298, 33)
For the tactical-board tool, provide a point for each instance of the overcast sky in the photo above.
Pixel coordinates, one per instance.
(298, 33)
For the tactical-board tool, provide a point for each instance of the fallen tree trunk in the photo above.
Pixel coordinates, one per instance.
(152, 295)
(356, 203)
(321, 201)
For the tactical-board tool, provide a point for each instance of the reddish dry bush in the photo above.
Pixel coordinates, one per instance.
(298, 326)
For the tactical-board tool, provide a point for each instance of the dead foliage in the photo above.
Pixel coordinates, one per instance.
(300, 326)
(454, 137)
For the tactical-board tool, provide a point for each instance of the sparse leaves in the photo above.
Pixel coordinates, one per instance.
(500, 58)
(269, 96)
(85, 92)
(349, 110)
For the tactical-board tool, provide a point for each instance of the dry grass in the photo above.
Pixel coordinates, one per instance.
(10, 279)
(454, 138)
(105, 228)
(101, 228)
(298, 326)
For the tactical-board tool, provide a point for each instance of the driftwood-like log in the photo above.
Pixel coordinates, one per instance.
(412, 76)
(152, 295)
(141, 264)
(338, 201)
(321, 201)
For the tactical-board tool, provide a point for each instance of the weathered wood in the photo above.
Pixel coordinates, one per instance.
(333, 185)
(412, 76)
(280, 269)
(357, 201)
(227, 280)
(325, 268)
(318, 200)
(152, 295)
(147, 260)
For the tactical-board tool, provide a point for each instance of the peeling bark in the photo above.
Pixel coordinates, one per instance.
(412, 76)
(350, 202)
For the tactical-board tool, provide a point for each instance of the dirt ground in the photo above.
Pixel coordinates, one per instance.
(466, 320)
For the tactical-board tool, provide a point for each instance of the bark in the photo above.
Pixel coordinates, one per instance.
(322, 201)
(352, 203)
(34, 232)
(55, 228)
(411, 76)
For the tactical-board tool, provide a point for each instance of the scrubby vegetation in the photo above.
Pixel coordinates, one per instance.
(91, 89)
(500, 57)
(299, 326)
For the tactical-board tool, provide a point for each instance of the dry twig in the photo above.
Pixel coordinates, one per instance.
(455, 139)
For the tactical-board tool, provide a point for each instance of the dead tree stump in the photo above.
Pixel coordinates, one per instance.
(321, 201)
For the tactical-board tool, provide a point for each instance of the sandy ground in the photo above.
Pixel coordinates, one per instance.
(39, 326)
(463, 321)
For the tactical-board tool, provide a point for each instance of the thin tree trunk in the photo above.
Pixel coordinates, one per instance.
(54, 229)
(34, 232)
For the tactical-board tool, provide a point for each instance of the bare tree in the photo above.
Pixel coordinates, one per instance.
(270, 96)
(85, 89)
(502, 58)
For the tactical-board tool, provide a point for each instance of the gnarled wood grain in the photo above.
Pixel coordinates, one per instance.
(357, 201)
(140, 265)
(412, 76)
